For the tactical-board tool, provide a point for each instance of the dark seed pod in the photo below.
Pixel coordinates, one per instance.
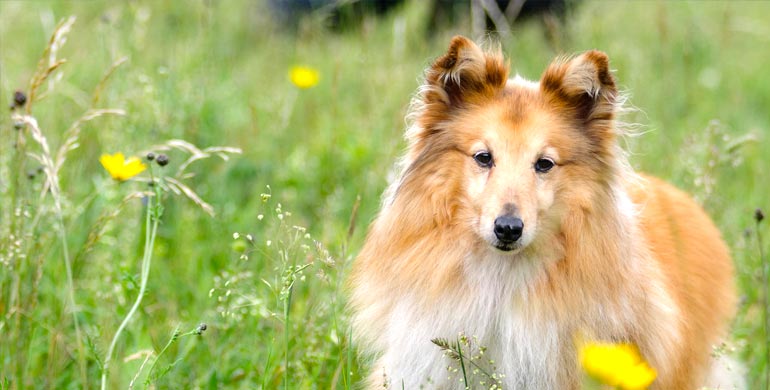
(759, 215)
(150, 156)
(19, 99)
(162, 160)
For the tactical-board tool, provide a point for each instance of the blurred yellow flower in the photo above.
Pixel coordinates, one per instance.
(304, 76)
(121, 169)
(617, 365)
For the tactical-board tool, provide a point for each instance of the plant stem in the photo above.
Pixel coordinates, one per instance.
(267, 362)
(13, 295)
(349, 370)
(462, 364)
(153, 209)
(133, 381)
(174, 337)
(766, 304)
(73, 304)
(286, 306)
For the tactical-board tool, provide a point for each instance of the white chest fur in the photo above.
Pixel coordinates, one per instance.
(492, 311)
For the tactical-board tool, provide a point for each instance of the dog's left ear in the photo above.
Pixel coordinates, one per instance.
(584, 87)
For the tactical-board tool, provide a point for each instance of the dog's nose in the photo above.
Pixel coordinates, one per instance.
(508, 228)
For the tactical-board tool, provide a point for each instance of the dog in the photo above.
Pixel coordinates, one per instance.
(517, 225)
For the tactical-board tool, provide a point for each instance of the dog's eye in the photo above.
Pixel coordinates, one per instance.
(544, 165)
(484, 159)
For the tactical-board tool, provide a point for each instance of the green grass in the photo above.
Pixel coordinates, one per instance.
(215, 73)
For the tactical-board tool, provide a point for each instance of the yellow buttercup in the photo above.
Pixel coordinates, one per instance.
(304, 77)
(121, 169)
(617, 365)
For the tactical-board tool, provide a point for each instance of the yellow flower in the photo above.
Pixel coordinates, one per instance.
(121, 169)
(304, 76)
(617, 365)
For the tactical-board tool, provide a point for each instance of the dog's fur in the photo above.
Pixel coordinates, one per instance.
(605, 254)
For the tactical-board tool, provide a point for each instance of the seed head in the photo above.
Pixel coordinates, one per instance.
(759, 215)
(202, 327)
(150, 156)
(162, 160)
(19, 99)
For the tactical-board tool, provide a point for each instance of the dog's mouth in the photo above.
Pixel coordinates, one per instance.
(507, 247)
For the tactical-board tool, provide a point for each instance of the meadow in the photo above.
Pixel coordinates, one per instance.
(252, 225)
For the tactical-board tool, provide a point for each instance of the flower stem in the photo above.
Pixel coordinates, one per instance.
(152, 219)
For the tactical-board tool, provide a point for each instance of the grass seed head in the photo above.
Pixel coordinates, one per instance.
(201, 328)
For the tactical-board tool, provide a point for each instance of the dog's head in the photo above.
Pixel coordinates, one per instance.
(509, 159)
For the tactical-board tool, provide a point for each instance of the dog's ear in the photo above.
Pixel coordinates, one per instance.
(584, 87)
(463, 75)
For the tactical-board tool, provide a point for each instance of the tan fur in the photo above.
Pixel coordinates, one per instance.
(605, 253)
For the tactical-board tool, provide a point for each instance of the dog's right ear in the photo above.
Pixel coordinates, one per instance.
(464, 75)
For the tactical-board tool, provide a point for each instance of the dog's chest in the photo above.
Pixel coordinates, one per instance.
(490, 323)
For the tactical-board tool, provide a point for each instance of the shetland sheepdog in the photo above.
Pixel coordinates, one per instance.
(516, 226)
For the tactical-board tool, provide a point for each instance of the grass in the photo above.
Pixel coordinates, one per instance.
(314, 163)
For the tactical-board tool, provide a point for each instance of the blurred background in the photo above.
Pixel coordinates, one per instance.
(265, 267)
